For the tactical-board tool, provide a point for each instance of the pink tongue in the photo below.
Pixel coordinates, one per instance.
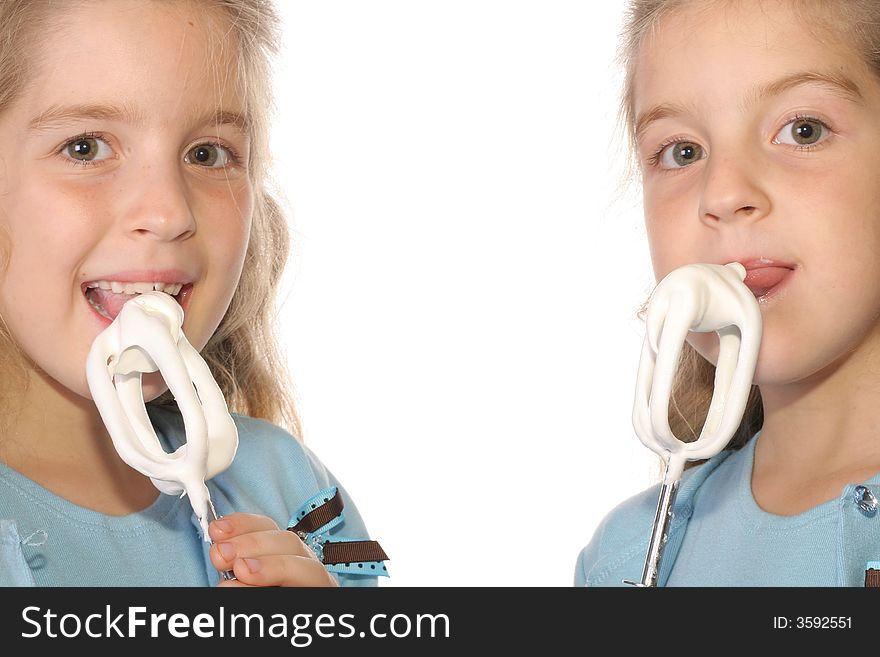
(763, 278)
(110, 301)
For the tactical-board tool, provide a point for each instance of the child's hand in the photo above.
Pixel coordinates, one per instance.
(261, 554)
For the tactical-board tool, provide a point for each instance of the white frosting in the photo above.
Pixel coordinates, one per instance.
(147, 336)
(698, 297)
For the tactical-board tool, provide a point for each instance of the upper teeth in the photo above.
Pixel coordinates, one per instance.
(137, 288)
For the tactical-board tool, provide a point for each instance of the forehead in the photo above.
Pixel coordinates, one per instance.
(159, 58)
(712, 50)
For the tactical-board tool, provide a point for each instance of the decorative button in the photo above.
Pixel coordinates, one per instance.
(315, 542)
(865, 500)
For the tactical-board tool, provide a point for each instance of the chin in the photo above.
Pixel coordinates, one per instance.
(705, 344)
(153, 386)
(783, 364)
(771, 374)
(779, 361)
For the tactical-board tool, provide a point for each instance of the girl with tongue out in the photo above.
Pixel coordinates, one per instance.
(134, 156)
(756, 132)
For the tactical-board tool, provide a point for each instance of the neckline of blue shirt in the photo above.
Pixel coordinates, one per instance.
(743, 460)
(161, 508)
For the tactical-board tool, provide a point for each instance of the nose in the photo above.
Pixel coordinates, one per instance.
(158, 205)
(733, 190)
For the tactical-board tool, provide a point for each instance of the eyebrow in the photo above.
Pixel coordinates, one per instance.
(837, 82)
(58, 115)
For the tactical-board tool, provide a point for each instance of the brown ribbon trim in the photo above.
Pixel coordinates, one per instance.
(872, 578)
(318, 516)
(336, 551)
(352, 552)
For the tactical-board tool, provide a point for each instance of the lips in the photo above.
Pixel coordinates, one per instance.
(110, 303)
(764, 277)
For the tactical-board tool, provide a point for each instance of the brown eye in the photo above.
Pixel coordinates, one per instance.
(806, 131)
(686, 152)
(209, 155)
(681, 154)
(85, 149)
(802, 132)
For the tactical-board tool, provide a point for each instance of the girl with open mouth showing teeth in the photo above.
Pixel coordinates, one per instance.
(756, 132)
(134, 159)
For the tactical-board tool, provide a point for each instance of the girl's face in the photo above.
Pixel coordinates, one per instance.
(760, 143)
(114, 168)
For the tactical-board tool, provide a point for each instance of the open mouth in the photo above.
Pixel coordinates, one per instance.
(107, 297)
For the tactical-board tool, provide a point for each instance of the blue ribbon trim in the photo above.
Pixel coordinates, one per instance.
(317, 538)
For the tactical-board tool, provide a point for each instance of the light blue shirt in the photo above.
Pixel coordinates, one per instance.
(719, 536)
(45, 540)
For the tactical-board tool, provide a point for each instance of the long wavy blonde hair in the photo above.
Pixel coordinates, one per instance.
(243, 354)
(856, 22)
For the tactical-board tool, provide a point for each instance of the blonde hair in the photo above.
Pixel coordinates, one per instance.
(859, 21)
(243, 354)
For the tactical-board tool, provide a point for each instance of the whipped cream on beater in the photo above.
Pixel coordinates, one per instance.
(147, 336)
(697, 297)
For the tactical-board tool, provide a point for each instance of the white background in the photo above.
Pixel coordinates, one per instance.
(460, 308)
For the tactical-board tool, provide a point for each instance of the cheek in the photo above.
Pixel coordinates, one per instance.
(5, 250)
(42, 210)
(235, 245)
(658, 246)
(837, 203)
(670, 225)
(230, 212)
(242, 229)
(671, 239)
